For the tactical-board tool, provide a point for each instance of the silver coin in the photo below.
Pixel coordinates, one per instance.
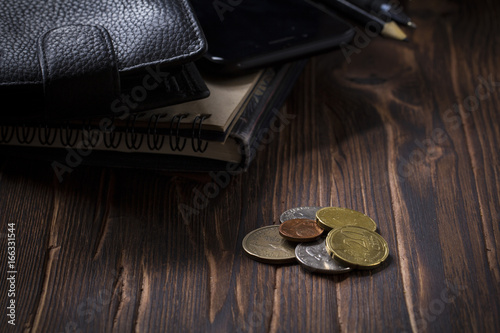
(313, 257)
(299, 213)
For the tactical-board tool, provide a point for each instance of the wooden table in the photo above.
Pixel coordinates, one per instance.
(408, 133)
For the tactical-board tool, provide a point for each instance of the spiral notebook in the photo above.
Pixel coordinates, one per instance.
(212, 117)
(195, 136)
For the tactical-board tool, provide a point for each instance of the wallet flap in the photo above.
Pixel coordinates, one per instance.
(68, 59)
(151, 32)
(79, 70)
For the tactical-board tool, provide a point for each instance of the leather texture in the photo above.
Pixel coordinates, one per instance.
(74, 57)
(78, 65)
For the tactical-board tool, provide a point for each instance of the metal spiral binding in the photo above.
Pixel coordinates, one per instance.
(131, 140)
(112, 135)
(199, 148)
(154, 138)
(46, 139)
(91, 136)
(178, 147)
(67, 139)
(87, 138)
(5, 136)
(24, 136)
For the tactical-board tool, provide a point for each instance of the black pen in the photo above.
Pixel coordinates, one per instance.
(386, 8)
(387, 29)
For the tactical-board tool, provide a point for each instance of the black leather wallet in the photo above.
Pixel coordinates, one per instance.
(79, 58)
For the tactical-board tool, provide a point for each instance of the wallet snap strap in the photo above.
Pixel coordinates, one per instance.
(79, 70)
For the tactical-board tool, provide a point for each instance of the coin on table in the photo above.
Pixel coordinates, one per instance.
(299, 213)
(266, 245)
(330, 218)
(357, 247)
(314, 257)
(300, 230)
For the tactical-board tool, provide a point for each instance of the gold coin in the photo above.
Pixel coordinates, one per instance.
(357, 247)
(330, 218)
(266, 245)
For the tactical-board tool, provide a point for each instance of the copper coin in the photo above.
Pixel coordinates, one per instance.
(300, 230)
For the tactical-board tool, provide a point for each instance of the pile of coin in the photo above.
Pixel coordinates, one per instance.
(351, 240)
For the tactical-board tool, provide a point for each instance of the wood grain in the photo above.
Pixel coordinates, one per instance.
(399, 133)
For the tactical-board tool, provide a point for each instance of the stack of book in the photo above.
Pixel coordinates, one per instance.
(201, 135)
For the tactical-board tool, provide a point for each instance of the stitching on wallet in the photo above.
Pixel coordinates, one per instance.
(198, 44)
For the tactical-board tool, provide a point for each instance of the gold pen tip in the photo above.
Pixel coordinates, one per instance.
(392, 30)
